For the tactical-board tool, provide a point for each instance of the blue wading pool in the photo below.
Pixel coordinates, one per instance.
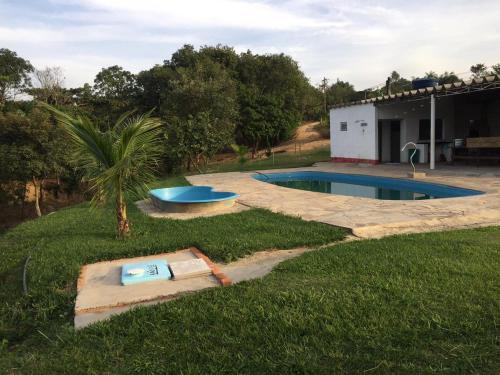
(374, 187)
(192, 199)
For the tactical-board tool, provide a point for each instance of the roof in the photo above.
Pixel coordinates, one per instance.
(459, 87)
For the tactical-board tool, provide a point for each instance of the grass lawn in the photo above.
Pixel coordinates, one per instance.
(281, 160)
(59, 244)
(425, 303)
(422, 303)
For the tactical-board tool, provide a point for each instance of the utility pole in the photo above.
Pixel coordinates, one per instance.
(324, 86)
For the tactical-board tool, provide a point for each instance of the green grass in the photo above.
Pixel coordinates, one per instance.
(427, 303)
(281, 160)
(59, 244)
(414, 304)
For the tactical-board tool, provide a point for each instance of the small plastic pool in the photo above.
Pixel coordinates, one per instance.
(374, 187)
(190, 199)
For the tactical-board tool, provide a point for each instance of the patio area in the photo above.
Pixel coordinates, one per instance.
(370, 218)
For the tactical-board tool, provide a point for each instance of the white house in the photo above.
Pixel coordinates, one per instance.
(441, 120)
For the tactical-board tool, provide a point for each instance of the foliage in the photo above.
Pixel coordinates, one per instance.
(263, 120)
(479, 70)
(120, 160)
(398, 83)
(197, 138)
(241, 151)
(280, 160)
(340, 92)
(14, 74)
(443, 78)
(218, 82)
(203, 87)
(271, 95)
(201, 110)
(50, 81)
(32, 148)
(114, 92)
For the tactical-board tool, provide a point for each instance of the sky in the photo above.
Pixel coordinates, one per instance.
(360, 41)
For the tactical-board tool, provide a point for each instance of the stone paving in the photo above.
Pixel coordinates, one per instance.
(371, 218)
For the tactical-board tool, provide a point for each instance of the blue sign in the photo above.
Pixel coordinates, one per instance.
(135, 273)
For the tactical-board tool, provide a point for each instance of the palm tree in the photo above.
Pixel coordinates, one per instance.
(118, 161)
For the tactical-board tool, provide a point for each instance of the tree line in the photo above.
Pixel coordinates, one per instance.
(210, 99)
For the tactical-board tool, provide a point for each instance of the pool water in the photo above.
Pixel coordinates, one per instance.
(374, 187)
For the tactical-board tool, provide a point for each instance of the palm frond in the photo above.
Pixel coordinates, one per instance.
(123, 158)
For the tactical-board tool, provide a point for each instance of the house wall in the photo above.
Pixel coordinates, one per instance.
(358, 143)
(410, 114)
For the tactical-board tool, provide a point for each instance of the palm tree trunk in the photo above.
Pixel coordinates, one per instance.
(121, 216)
(37, 198)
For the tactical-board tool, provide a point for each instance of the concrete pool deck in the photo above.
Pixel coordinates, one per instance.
(371, 218)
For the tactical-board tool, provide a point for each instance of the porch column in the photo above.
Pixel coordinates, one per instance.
(433, 133)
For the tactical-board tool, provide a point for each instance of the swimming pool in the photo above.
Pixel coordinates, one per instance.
(374, 187)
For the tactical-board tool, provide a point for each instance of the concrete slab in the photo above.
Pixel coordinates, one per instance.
(189, 268)
(254, 266)
(100, 293)
(371, 218)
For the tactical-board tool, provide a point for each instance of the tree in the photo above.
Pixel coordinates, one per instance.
(118, 161)
(205, 87)
(32, 148)
(50, 81)
(14, 74)
(479, 70)
(184, 57)
(266, 121)
(114, 83)
(340, 92)
(446, 77)
(155, 87)
(114, 91)
(398, 83)
(201, 109)
(496, 68)
(197, 138)
(272, 97)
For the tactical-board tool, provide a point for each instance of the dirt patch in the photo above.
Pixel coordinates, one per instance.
(307, 137)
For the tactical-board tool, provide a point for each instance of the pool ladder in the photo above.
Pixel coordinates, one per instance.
(412, 155)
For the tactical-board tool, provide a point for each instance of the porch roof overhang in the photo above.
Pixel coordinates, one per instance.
(455, 88)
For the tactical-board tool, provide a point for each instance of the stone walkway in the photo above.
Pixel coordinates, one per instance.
(371, 218)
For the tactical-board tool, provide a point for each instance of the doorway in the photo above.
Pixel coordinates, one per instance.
(389, 141)
(395, 141)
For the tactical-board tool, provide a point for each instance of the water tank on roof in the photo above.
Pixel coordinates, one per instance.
(423, 83)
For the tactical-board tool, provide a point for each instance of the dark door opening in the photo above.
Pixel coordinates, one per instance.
(395, 141)
(380, 141)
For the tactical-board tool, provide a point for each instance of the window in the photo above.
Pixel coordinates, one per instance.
(424, 129)
(343, 126)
